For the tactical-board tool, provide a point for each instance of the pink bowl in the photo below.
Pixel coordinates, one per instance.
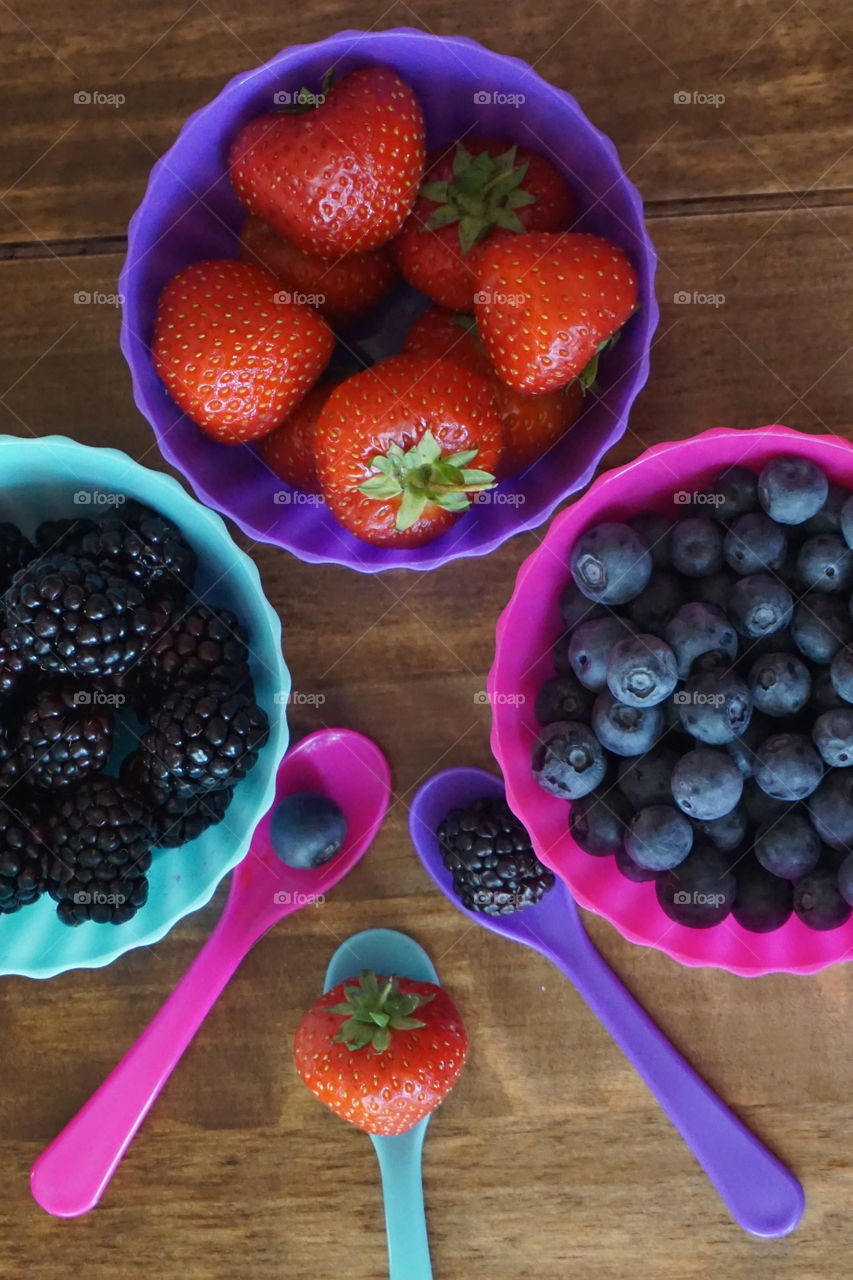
(189, 211)
(528, 627)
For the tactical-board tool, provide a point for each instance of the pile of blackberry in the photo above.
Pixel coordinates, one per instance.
(700, 720)
(104, 645)
(491, 858)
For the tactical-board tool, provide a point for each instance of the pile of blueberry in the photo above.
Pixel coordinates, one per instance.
(701, 718)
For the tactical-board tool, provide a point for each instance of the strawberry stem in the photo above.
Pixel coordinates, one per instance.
(372, 1013)
(422, 475)
(484, 193)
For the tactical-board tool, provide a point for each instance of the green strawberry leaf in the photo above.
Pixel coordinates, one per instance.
(380, 487)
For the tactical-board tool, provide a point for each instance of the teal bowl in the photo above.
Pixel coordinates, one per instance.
(53, 478)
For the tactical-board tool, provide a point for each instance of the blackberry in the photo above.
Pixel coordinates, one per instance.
(15, 552)
(66, 617)
(142, 546)
(23, 862)
(203, 738)
(174, 819)
(98, 851)
(13, 669)
(200, 646)
(63, 535)
(63, 737)
(489, 853)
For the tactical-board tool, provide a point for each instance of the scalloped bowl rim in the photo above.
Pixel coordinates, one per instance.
(279, 734)
(646, 319)
(513, 755)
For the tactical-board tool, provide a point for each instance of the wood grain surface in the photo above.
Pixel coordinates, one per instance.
(550, 1159)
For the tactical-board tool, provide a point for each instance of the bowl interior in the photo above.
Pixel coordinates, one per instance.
(55, 478)
(190, 212)
(667, 480)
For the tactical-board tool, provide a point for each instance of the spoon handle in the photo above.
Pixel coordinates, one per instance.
(760, 1193)
(70, 1175)
(403, 1194)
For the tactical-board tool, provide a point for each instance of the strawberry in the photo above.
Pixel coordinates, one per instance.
(395, 444)
(340, 177)
(472, 191)
(547, 303)
(340, 288)
(289, 450)
(381, 1052)
(234, 357)
(530, 424)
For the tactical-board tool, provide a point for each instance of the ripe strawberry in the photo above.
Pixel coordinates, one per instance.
(394, 448)
(340, 288)
(530, 424)
(547, 303)
(361, 1051)
(289, 450)
(471, 191)
(234, 357)
(342, 176)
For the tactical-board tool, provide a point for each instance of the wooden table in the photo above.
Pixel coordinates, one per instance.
(550, 1159)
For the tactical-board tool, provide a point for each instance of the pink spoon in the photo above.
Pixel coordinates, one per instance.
(70, 1176)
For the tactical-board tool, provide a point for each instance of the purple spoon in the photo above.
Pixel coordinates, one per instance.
(760, 1193)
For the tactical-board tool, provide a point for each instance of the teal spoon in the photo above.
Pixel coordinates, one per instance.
(386, 951)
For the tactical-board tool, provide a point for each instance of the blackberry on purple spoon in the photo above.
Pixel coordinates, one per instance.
(490, 856)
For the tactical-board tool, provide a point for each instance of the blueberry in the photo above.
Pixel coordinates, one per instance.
(645, 780)
(654, 532)
(563, 698)
(788, 846)
(589, 649)
(831, 809)
(760, 807)
(700, 891)
(832, 733)
(631, 870)
(659, 837)
(598, 821)
(706, 784)
(763, 902)
(307, 830)
(641, 671)
(726, 833)
(820, 626)
(780, 684)
(754, 543)
(715, 589)
(825, 563)
(828, 519)
(847, 520)
(696, 629)
(568, 760)
(742, 749)
(716, 706)
(760, 605)
(841, 673)
(696, 547)
(787, 767)
(792, 489)
(625, 730)
(845, 879)
(823, 696)
(733, 493)
(610, 563)
(661, 600)
(560, 655)
(575, 608)
(818, 901)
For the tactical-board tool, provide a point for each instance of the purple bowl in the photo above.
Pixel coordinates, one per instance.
(189, 212)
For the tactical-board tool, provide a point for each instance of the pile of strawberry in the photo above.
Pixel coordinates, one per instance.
(342, 200)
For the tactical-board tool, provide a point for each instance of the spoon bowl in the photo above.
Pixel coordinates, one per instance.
(760, 1193)
(387, 952)
(71, 1175)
